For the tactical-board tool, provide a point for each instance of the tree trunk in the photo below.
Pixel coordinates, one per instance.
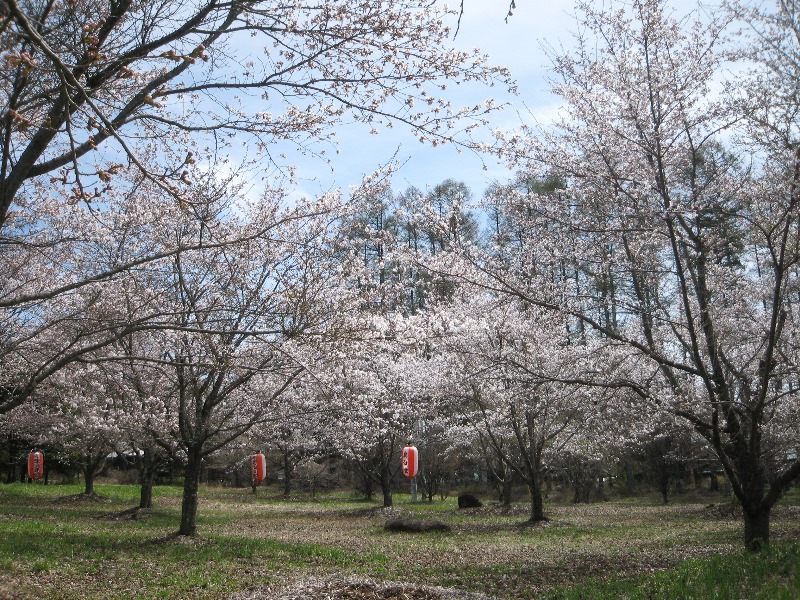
(664, 483)
(88, 477)
(287, 475)
(92, 466)
(537, 502)
(147, 472)
(629, 478)
(11, 473)
(533, 469)
(507, 491)
(369, 486)
(386, 488)
(146, 491)
(756, 527)
(191, 484)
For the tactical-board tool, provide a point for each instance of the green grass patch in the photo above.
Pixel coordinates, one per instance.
(770, 575)
(56, 544)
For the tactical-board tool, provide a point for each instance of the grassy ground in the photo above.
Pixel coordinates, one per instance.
(54, 544)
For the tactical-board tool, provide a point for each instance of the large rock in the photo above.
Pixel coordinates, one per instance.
(415, 526)
(468, 501)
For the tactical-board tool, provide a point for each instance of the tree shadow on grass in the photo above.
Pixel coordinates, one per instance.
(82, 499)
(129, 514)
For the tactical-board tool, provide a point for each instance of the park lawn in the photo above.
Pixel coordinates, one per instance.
(56, 544)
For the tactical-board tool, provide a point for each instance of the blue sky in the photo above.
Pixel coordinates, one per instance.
(515, 44)
(518, 44)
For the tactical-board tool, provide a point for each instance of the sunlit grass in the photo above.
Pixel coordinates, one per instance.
(54, 544)
(770, 575)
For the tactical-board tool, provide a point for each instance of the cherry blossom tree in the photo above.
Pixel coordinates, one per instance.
(81, 277)
(85, 426)
(204, 341)
(381, 393)
(509, 360)
(141, 386)
(66, 264)
(110, 103)
(315, 475)
(241, 324)
(81, 74)
(296, 430)
(697, 253)
(377, 422)
(664, 453)
(439, 440)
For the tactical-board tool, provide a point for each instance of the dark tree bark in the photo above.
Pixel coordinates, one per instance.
(147, 472)
(386, 489)
(664, 486)
(146, 490)
(191, 485)
(756, 527)
(537, 502)
(88, 478)
(288, 469)
(364, 479)
(381, 463)
(92, 464)
(505, 496)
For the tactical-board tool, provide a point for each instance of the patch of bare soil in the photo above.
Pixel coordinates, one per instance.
(6, 593)
(497, 509)
(130, 514)
(416, 526)
(726, 511)
(340, 589)
(376, 511)
(182, 540)
(82, 499)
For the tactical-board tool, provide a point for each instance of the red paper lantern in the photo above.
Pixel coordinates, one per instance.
(258, 468)
(35, 465)
(410, 461)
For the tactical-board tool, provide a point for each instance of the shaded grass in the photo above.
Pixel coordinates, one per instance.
(771, 575)
(54, 544)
